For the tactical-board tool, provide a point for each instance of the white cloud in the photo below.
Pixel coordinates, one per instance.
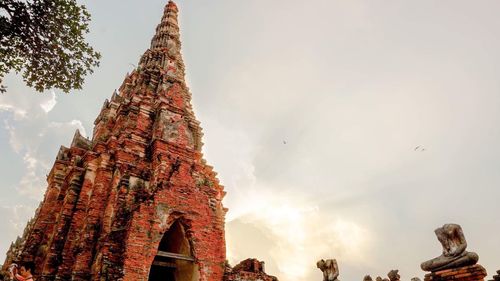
(16, 146)
(18, 113)
(18, 215)
(14, 219)
(33, 182)
(352, 97)
(273, 223)
(35, 138)
(69, 126)
(48, 105)
(299, 233)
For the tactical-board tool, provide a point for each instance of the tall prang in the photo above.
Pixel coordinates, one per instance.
(137, 202)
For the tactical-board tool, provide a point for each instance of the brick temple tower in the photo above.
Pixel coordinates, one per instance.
(138, 201)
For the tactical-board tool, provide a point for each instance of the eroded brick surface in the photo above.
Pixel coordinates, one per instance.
(110, 199)
(467, 273)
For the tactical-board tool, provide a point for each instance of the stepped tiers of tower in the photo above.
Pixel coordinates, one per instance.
(467, 273)
(137, 201)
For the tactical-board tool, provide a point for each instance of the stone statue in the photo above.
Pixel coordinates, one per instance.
(367, 278)
(454, 254)
(329, 268)
(393, 275)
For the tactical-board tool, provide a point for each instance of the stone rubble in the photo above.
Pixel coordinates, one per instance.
(248, 270)
(496, 277)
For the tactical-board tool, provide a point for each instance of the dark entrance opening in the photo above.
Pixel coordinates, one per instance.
(174, 260)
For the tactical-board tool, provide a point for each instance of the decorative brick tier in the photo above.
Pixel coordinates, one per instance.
(467, 273)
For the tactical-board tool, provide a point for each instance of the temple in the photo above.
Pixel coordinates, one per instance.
(137, 201)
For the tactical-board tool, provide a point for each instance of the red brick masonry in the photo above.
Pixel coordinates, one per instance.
(467, 273)
(110, 199)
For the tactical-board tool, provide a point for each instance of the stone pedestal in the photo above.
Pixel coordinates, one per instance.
(466, 273)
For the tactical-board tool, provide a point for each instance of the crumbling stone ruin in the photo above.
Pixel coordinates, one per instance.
(454, 254)
(137, 201)
(249, 269)
(329, 268)
(466, 273)
(455, 263)
(367, 278)
(496, 277)
(394, 275)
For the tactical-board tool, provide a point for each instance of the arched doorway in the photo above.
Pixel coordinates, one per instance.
(174, 260)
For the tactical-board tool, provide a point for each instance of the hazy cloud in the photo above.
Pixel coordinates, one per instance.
(48, 105)
(14, 219)
(311, 112)
(34, 137)
(299, 234)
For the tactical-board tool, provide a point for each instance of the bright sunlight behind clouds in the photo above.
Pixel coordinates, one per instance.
(311, 113)
(297, 229)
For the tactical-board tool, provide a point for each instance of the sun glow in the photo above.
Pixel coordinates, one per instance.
(300, 234)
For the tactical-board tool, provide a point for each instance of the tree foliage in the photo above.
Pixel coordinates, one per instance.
(44, 40)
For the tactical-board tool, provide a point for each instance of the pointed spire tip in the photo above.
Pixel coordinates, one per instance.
(171, 5)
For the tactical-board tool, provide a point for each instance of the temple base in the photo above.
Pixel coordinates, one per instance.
(466, 273)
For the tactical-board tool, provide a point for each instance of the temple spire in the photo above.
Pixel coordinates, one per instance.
(164, 55)
(168, 29)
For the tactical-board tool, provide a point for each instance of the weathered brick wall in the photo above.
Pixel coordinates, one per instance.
(110, 200)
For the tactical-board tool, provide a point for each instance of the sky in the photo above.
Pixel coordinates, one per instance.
(340, 129)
